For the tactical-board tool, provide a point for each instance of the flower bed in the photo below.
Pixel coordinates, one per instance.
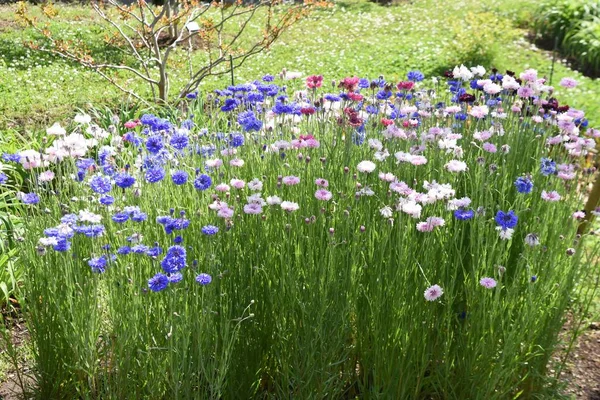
(361, 238)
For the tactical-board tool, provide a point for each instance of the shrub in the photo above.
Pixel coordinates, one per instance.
(381, 240)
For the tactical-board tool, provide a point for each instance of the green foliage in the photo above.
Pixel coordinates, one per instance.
(574, 27)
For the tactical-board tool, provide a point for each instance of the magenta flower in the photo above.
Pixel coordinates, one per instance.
(488, 283)
(290, 180)
(433, 293)
(323, 194)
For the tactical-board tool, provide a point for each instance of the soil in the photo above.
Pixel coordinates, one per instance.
(583, 366)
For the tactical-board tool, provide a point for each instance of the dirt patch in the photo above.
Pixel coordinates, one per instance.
(583, 366)
(11, 387)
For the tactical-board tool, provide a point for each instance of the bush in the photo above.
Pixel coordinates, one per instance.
(383, 241)
(573, 27)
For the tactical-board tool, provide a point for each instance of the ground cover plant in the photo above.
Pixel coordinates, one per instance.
(310, 238)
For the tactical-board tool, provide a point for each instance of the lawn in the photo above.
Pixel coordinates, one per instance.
(352, 38)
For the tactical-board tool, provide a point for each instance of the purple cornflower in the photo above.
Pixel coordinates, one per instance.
(120, 217)
(3, 178)
(101, 184)
(506, 220)
(488, 283)
(155, 174)
(30, 198)
(98, 264)
(433, 293)
(124, 180)
(175, 259)
(204, 279)
(158, 282)
(179, 177)
(547, 166)
(176, 277)
(210, 230)
(463, 214)
(524, 184)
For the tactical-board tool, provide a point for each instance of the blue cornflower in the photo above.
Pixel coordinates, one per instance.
(124, 250)
(154, 251)
(98, 264)
(92, 230)
(174, 260)
(138, 216)
(62, 245)
(249, 121)
(30, 198)
(210, 230)
(230, 105)
(15, 158)
(371, 109)
(155, 174)
(175, 278)
(463, 214)
(158, 282)
(534, 278)
(179, 141)
(506, 220)
(204, 279)
(124, 180)
(3, 178)
(107, 200)
(202, 182)
(179, 177)
(268, 78)
(187, 124)
(547, 167)
(148, 119)
(236, 140)
(332, 97)
(120, 217)
(523, 184)
(415, 76)
(178, 239)
(154, 144)
(101, 184)
(69, 219)
(192, 95)
(383, 94)
(255, 97)
(364, 83)
(140, 249)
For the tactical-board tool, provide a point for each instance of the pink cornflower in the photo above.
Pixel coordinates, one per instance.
(289, 206)
(433, 293)
(482, 136)
(525, 92)
(489, 147)
(222, 187)
(314, 81)
(418, 160)
(290, 180)
(488, 283)
(479, 111)
(323, 194)
(387, 177)
(401, 187)
(253, 208)
(366, 166)
(430, 223)
(321, 182)
(255, 185)
(456, 166)
(529, 75)
(214, 163)
(131, 124)
(225, 212)
(568, 83)
(579, 215)
(237, 183)
(46, 176)
(236, 162)
(550, 196)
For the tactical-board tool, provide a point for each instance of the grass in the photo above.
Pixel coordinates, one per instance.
(353, 38)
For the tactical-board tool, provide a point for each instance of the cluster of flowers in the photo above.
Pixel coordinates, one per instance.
(157, 150)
